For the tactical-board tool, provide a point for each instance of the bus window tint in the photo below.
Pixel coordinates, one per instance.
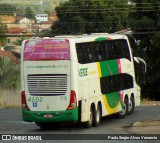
(119, 49)
(114, 83)
(90, 52)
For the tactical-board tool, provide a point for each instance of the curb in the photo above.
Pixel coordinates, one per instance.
(154, 122)
(146, 127)
(9, 106)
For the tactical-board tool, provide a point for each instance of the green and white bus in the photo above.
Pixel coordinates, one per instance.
(77, 79)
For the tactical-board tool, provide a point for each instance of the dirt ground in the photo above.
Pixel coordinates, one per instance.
(150, 103)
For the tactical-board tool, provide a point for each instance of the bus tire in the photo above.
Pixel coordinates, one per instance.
(124, 111)
(131, 106)
(89, 123)
(97, 117)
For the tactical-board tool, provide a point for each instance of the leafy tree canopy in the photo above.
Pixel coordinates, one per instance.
(9, 75)
(3, 30)
(29, 13)
(89, 16)
(145, 23)
(7, 9)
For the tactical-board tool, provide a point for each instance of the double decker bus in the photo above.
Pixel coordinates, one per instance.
(77, 79)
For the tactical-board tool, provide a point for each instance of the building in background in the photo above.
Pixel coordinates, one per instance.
(41, 17)
(22, 20)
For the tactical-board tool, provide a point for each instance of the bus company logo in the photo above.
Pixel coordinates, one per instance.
(83, 72)
(6, 137)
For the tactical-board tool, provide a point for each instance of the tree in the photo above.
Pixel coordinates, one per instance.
(7, 9)
(145, 23)
(3, 30)
(29, 13)
(90, 16)
(9, 75)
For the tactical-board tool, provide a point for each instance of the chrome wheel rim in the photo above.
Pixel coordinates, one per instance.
(123, 110)
(130, 106)
(98, 115)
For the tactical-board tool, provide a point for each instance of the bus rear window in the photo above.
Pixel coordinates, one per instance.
(46, 49)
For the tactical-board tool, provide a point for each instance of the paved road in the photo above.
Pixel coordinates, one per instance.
(11, 123)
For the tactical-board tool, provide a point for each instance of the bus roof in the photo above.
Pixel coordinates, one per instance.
(91, 37)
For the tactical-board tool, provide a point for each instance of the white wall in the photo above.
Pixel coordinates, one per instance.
(10, 98)
(25, 20)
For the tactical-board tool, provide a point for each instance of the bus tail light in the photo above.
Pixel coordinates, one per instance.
(73, 100)
(26, 41)
(24, 102)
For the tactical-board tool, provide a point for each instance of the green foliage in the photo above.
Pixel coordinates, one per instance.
(9, 75)
(29, 13)
(145, 25)
(3, 30)
(81, 16)
(7, 9)
(20, 7)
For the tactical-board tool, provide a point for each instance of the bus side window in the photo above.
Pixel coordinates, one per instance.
(112, 54)
(126, 53)
(100, 58)
(116, 51)
(84, 53)
(94, 53)
(90, 57)
(100, 53)
(106, 51)
(79, 53)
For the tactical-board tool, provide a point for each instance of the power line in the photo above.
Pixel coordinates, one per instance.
(115, 6)
(87, 22)
(37, 35)
(93, 11)
(102, 6)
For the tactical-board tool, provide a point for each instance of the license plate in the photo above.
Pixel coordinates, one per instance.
(48, 115)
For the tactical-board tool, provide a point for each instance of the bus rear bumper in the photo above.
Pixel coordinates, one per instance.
(50, 116)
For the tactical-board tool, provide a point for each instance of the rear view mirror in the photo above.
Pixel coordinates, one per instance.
(142, 63)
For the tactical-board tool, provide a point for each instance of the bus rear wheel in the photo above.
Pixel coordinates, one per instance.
(124, 111)
(131, 106)
(89, 123)
(97, 117)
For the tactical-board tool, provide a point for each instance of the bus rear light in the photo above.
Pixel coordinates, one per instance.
(26, 115)
(73, 100)
(26, 41)
(24, 102)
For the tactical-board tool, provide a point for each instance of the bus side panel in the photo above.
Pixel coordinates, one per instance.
(137, 95)
(84, 97)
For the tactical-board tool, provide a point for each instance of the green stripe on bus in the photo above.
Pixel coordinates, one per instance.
(101, 39)
(113, 99)
(109, 68)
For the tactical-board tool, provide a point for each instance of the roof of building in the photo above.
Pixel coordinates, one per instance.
(9, 55)
(20, 18)
(16, 30)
